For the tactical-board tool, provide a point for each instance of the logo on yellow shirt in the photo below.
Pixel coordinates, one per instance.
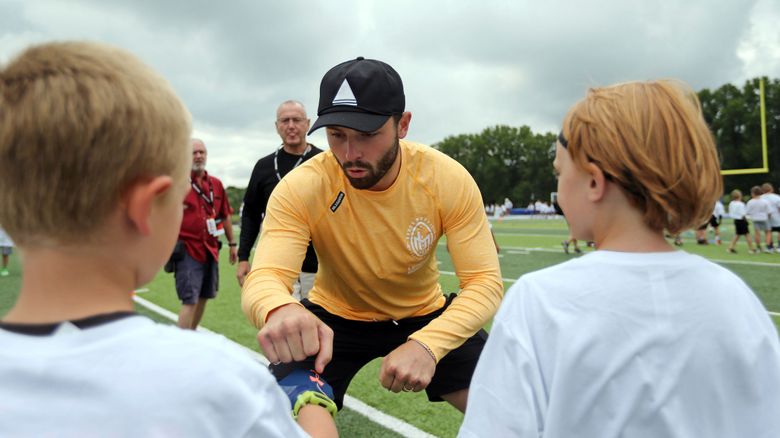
(420, 237)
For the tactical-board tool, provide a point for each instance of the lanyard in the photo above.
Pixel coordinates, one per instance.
(297, 163)
(210, 199)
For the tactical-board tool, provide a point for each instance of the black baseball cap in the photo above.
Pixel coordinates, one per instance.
(360, 94)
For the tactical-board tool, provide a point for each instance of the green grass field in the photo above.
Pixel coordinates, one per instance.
(526, 245)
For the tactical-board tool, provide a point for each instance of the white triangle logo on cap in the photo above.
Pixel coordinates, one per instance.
(345, 96)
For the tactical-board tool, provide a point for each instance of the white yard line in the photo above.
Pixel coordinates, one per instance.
(399, 426)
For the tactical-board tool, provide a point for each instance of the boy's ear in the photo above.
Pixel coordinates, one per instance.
(597, 184)
(139, 199)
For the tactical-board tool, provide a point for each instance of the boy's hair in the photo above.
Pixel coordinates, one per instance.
(651, 139)
(736, 194)
(80, 122)
(767, 187)
(756, 191)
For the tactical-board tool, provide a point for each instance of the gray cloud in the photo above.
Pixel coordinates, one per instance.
(465, 65)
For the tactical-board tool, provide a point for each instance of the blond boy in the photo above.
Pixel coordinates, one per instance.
(759, 212)
(773, 199)
(94, 157)
(737, 212)
(636, 338)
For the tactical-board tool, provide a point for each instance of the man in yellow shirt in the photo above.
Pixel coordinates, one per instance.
(374, 207)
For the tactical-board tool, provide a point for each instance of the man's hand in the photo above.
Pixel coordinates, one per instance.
(292, 333)
(242, 271)
(407, 368)
(234, 255)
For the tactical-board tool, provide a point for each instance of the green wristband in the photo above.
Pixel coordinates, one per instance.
(314, 398)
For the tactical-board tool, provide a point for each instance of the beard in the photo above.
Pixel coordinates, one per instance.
(374, 173)
(198, 167)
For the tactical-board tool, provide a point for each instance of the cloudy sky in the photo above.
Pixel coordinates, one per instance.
(466, 64)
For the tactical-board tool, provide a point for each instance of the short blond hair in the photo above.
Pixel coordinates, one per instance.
(80, 122)
(651, 139)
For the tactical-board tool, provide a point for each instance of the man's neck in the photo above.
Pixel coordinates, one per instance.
(297, 149)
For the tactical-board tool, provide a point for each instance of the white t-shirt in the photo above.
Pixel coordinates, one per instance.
(757, 209)
(136, 378)
(628, 345)
(718, 211)
(737, 210)
(5, 240)
(773, 199)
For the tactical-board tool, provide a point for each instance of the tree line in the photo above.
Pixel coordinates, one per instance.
(516, 163)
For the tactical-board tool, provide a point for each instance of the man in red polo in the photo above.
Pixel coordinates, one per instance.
(206, 217)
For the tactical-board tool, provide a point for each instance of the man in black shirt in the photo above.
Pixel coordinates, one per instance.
(292, 126)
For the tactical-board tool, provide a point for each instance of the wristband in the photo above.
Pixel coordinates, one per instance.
(232, 244)
(305, 387)
(314, 398)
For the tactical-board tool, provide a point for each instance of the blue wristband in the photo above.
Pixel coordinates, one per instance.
(306, 387)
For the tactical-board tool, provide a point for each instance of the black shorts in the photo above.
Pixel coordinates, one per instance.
(714, 221)
(356, 343)
(741, 226)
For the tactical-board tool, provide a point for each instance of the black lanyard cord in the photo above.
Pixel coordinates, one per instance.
(209, 200)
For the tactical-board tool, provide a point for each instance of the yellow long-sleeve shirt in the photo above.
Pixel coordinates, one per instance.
(376, 250)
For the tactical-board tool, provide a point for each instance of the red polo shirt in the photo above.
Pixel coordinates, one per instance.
(197, 209)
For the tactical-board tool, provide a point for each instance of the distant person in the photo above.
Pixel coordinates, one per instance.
(96, 220)
(773, 199)
(206, 217)
(636, 338)
(758, 210)
(539, 207)
(6, 248)
(570, 242)
(498, 211)
(508, 205)
(718, 212)
(701, 233)
(375, 206)
(714, 221)
(741, 227)
(291, 125)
